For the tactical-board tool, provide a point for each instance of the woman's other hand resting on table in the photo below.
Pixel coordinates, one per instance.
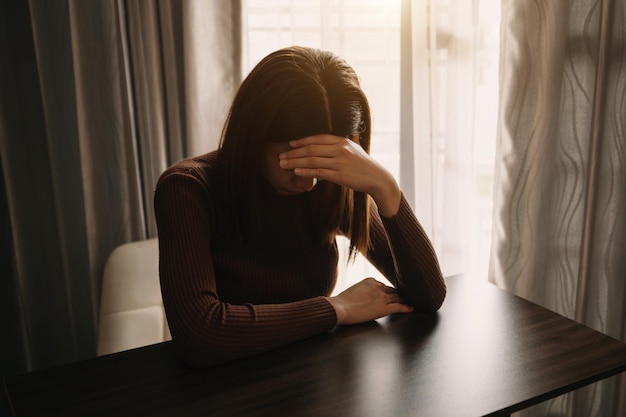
(366, 301)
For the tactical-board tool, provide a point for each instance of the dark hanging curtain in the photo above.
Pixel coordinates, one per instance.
(97, 98)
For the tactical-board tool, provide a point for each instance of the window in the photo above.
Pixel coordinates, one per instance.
(367, 33)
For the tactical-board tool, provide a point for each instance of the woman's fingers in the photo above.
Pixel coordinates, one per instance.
(326, 146)
(314, 149)
(316, 140)
(332, 158)
(367, 300)
(398, 308)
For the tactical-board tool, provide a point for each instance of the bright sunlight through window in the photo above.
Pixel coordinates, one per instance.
(452, 64)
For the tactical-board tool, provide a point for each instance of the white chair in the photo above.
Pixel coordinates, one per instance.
(131, 307)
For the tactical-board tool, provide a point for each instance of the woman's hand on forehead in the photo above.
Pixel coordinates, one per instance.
(344, 162)
(328, 157)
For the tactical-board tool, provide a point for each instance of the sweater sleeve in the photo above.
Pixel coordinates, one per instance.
(206, 330)
(402, 251)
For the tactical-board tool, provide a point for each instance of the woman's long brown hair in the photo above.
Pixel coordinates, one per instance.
(294, 93)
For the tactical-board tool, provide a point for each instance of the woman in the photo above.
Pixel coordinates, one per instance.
(248, 257)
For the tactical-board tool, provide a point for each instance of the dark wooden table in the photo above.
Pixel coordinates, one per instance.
(486, 352)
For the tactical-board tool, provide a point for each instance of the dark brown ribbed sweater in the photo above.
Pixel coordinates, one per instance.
(226, 298)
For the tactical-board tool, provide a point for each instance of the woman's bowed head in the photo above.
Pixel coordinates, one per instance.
(247, 232)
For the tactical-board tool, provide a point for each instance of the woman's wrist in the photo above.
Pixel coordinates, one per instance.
(338, 310)
(387, 196)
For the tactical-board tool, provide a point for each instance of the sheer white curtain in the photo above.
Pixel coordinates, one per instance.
(448, 117)
(429, 68)
(559, 230)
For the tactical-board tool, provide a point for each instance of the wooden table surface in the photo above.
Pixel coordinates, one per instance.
(486, 352)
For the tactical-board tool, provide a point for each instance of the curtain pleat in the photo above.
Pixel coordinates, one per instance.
(94, 107)
(147, 78)
(559, 228)
(111, 172)
(212, 48)
(172, 28)
(42, 248)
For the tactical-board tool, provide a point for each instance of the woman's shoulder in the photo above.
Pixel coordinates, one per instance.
(205, 162)
(200, 168)
(188, 182)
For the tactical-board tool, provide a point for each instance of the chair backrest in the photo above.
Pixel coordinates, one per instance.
(131, 307)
